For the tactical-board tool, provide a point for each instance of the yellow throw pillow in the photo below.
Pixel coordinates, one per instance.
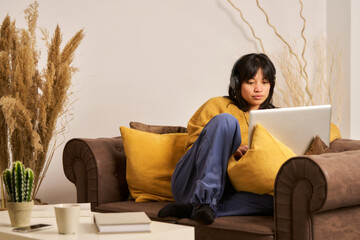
(150, 162)
(256, 171)
(334, 132)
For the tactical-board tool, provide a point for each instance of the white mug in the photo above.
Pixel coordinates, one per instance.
(67, 218)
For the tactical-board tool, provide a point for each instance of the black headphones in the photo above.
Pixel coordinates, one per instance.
(234, 81)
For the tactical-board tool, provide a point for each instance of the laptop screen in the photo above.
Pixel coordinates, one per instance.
(296, 127)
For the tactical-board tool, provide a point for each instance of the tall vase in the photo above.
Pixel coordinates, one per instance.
(19, 213)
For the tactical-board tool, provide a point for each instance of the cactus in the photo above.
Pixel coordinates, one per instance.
(29, 184)
(7, 177)
(19, 183)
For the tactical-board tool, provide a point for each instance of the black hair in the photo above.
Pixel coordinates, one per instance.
(246, 68)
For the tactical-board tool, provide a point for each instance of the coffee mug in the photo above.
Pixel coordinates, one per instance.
(67, 218)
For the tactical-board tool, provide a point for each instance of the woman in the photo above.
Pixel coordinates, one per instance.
(217, 131)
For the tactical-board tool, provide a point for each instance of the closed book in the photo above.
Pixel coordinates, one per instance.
(122, 222)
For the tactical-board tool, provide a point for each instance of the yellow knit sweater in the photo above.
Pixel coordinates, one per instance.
(217, 105)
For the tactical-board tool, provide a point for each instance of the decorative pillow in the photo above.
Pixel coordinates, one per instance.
(150, 163)
(157, 129)
(318, 147)
(334, 132)
(256, 171)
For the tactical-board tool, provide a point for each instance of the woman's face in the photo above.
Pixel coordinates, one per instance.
(255, 90)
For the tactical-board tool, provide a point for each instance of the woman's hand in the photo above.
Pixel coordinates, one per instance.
(241, 151)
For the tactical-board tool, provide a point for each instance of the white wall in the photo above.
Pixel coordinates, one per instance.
(338, 32)
(155, 61)
(343, 27)
(354, 70)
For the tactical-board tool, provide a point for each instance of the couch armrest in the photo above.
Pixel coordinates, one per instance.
(309, 188)
(97, 167)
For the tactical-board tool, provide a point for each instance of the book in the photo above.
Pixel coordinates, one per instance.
(122, 222)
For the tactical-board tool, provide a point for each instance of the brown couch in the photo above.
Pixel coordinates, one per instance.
(316, 196)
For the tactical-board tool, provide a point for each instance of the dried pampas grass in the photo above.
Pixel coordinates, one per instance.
(33, 105)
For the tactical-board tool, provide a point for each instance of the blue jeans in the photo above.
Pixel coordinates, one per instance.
(200, 177)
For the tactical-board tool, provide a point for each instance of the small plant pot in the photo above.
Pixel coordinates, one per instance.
(19, 213)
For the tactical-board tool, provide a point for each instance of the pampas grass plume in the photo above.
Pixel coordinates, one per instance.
(32, 102)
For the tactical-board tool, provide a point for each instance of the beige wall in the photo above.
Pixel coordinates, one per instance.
(354, 70)
(155, 61)
(343, 27)
(338, 32)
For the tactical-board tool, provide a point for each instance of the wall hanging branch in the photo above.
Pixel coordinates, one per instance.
(298, 89)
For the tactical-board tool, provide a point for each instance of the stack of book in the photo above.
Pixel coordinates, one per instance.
(122, 222)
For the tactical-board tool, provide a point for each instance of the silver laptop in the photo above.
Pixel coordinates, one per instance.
(296, 127)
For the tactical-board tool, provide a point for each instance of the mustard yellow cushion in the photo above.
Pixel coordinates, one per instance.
(334, 132)
(256, 171)
(150, 163)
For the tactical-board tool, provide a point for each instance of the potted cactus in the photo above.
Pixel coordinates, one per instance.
(19, 183)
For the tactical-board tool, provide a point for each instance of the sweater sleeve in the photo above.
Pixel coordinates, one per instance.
(210, 109)
(200, 118)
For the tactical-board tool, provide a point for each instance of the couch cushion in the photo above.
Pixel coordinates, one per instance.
(317, 146)
(223, 228)
(341, 145)
(150, 163)
(334, 132)
(234, 227)
(157, 128)
(150, 208)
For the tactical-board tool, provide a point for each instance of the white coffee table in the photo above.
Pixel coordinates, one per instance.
(88, 231)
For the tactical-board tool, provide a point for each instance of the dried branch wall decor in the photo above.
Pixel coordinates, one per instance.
(33, 103)
(298, 89)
